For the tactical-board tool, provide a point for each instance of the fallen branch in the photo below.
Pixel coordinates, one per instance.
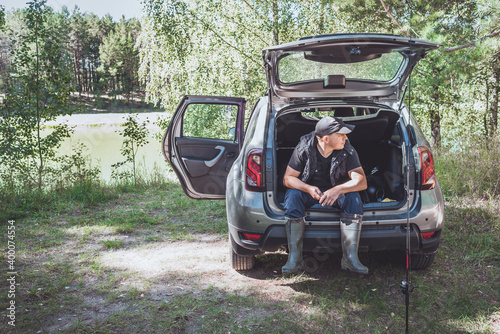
(473, 43)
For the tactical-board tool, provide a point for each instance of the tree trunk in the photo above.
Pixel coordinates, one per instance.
(77, 72)
(38, 117)
(486, 117)
(85, 74)
(436, 129)
(276, 23)
(321, 22)
(435, 120)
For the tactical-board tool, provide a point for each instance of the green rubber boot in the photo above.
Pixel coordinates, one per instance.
(295, 236)
(350, 231)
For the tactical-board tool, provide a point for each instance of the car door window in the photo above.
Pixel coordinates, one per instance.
(215, 121)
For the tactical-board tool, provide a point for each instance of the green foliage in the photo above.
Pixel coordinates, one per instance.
(295, 67)
(215, 48)
(101, 54)
(69, 178)
(2, 16)
(37, 90)
(452, 91)
(135, 136)
(75, 169)
(118, 57)
(471, 169)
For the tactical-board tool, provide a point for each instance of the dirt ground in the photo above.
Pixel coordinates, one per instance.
(163, 270)
(76, 283)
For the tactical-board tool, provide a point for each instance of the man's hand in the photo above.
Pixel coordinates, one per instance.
(315, 192)
(291, 180)
(329, 197)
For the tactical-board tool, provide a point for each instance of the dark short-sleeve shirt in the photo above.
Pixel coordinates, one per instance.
(320, 177)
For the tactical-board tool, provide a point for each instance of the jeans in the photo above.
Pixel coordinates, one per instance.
(297, 202)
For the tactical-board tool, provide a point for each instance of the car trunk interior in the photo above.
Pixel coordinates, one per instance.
(376, 138)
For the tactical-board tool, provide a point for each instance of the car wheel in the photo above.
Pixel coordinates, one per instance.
(241, 262)
(422, 261)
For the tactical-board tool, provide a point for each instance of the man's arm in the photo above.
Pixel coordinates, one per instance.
(291, 180)
(357, 183)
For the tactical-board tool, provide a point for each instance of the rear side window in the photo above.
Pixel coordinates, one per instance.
(251, 127)
(418, 131)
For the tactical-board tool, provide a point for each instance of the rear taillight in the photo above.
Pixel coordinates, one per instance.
(428, 235)
(251, 236)
(253, 171)
(427, 169)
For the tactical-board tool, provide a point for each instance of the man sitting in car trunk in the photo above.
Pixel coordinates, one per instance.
(325, 169)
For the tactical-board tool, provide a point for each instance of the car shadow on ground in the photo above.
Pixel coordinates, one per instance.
(325, 266)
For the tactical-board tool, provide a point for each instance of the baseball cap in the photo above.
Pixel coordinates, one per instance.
(329, 124)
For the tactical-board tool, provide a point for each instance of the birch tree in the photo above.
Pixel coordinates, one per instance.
(37, 90)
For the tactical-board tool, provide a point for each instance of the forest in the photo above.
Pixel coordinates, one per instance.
(98, 54)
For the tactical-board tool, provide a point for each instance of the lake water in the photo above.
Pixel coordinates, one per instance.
(99, 133)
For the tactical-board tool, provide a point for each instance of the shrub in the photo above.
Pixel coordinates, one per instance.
(135, 137)
(473, 169)
(70, 179)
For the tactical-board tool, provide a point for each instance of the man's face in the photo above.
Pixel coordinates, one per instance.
(337, 140)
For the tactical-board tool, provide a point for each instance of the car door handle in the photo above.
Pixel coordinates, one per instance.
(212, 162)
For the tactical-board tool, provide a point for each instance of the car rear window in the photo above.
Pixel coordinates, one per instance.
(304, 66)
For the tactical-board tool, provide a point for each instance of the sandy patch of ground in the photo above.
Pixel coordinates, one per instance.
(171, 268)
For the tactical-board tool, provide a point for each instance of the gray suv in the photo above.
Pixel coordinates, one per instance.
(357, 77)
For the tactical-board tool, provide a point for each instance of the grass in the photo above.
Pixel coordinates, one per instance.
(119, 258)
(112, 243)
(473, 170)
(65, 284)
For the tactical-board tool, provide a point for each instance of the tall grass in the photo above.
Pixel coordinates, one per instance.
(74, 183)
(146, 176)
(83, 195)
(472, 170)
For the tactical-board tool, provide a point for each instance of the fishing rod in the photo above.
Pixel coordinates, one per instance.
(406, 287)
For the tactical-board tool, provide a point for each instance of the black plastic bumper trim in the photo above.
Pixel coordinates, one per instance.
(373, 238)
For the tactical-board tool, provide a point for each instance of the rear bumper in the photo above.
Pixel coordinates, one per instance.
(382, 230)
(373, 238)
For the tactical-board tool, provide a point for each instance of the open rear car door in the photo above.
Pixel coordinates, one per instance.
(355, 66)
(202, 142)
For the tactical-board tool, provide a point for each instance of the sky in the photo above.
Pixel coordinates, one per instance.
(116, 8)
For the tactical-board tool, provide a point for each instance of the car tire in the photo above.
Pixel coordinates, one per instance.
(422, 261)
(241, 262)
